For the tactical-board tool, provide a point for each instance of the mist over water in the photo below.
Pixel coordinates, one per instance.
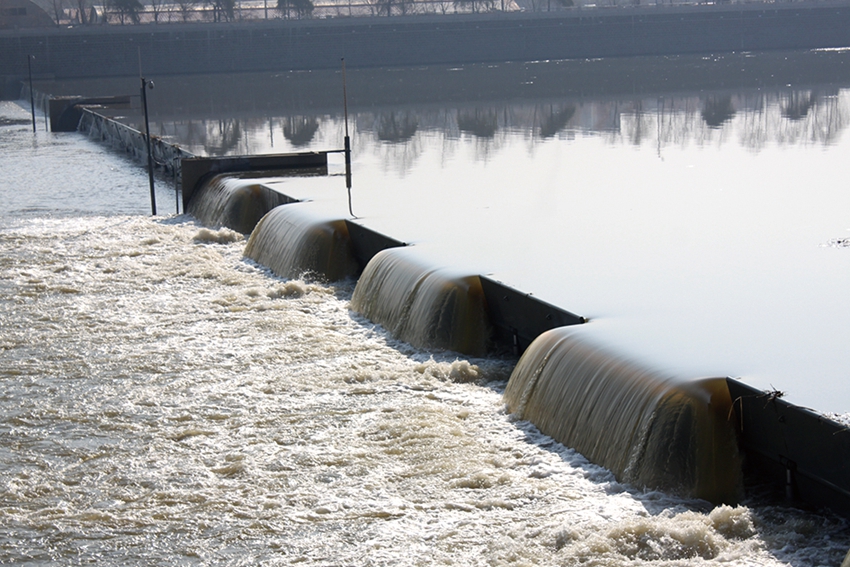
(165, 400)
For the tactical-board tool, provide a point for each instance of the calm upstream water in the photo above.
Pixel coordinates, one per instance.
(166, 401)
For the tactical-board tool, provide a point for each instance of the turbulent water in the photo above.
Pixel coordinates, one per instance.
(165, 401)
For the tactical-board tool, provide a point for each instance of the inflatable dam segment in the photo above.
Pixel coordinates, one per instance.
(650, 429)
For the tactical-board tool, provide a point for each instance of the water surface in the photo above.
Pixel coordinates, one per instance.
(164, 401)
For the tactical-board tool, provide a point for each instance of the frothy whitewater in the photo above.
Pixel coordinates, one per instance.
(165, 401)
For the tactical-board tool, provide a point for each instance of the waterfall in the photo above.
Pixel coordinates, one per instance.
(423, 306)
(292, 242)
(235, 201)
(649, 429)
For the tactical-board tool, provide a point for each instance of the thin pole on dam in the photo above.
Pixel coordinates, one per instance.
(148, 84)
(32, 96)
(347, 141)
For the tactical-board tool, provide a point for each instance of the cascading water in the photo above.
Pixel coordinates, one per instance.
(237, 201)
(291, 242)
(425, 307)
(648, 429)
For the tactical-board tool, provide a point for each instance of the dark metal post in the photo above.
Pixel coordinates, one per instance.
(147, 84)
(176, 168)
(32, 96)
(347, 147)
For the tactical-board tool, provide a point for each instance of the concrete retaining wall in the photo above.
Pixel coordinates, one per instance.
(419, 40)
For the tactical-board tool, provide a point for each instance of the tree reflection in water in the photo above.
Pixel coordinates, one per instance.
(718, 110)
(797, 105)
(300, 130)
(758, 119)
(222, 136)
(754, 118)
(556, 120)
(397, 128)
(480, 123)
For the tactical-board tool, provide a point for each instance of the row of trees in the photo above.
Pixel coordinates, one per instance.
(156, 11)
(403, 7)
(133, 11)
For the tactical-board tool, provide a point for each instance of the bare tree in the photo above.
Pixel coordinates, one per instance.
(126, 10)
(187, 7)
(383, 7)
(443, 5)
(392, 7)
(476, 5)
(157, 7)
(82, 11)
(58, 10)
(222, 10)
(301, 8)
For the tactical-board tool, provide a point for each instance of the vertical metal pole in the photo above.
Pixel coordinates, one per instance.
(148, 143)
(347, 146)
(32, 96)
(145, 83)
(176, 166)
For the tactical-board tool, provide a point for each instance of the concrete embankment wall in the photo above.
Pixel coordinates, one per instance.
(419, 40)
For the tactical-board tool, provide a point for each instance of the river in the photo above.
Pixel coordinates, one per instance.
(166, 401)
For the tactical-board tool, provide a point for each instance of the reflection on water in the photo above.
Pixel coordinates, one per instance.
(276, 428)
(480, 122)
(718, 110)
(749, 119)
(300, 130)
(397, 127)
(781, 97)
(555, 119)
(798, 104)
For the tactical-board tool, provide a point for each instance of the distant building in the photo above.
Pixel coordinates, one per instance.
(18, 14)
